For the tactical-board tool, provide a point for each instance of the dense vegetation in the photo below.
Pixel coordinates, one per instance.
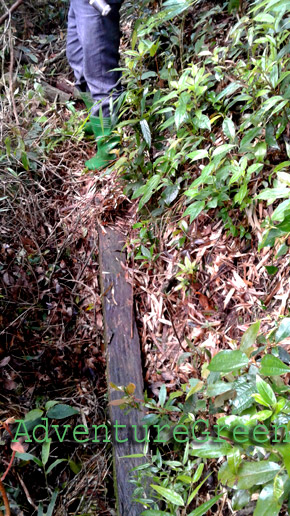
(208, 98)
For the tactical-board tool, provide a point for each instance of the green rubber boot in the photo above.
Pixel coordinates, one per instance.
(105, 143)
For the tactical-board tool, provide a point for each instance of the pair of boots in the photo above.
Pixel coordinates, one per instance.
(102, 130)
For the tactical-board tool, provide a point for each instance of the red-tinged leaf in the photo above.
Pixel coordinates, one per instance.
(9, 421)
(204, 302)
(118, 402)
(17, 447)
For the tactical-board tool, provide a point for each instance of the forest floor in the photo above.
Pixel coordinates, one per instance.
(51, 323)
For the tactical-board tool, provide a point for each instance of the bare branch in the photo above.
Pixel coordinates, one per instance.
(10, 11)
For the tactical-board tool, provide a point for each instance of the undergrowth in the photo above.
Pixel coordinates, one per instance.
(224, 436)
(206, 122)
(207, 102)
(51, 355)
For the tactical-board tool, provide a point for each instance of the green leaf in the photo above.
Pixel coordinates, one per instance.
(52, 504)
(202, 509)
(226, 475)
(146, 132)
(258, 398)
(234, 460)
(185, 479)
(249, 338)
(281, 166)
(195, 491)
(262, 415)
(264, 18)
(285, 224)
(147, 75)
(76, 468)
(231, 88)
(169, 495)
(283, 331)
(244, 398)
(215, 389)
(272, 194)
(240, 499)
(198, 154)
(278, 487)
(266, 392)
(249, 136)
(241, 194)
(238, 172)
(54, 464)
(28, 456)
(50, 404)
(152, 512)
(61, 411)
(149, 190)
(260, 151)
(170, 193)
(233, 4)
(271, 269)
(195, 388)
(134, 39)
(194, 210)
(271, 102)
(228, 361)
(132, 456)
(202, 122)
(180, 113)
(162, 395)
(150, 419)
(270, 237)
(40, 509)
(284, 450)
(284, 177)
(256, 473)
(273, 366)
(198, 473)
(145, 252)
(223, 149)
(45, 452)
(210, 450)
(229, 128)
(267, 503)
(25, 160)
(33, 415)
(283, 249)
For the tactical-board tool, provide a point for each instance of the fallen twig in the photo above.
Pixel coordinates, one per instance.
(10, 11)
(5, 500)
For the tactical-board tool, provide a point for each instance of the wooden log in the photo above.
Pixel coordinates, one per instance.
(54, 94)
(123, 362)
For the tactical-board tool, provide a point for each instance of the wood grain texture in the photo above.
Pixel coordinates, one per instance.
(54, 94)
(123, 361)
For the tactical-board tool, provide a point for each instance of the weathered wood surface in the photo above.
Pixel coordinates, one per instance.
(54, 94)
(123, 361)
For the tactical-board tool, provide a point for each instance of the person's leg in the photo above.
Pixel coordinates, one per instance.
(99, 37)
(74, 51)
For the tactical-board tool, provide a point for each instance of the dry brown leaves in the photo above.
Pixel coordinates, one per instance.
(232, 289)
(51, 321)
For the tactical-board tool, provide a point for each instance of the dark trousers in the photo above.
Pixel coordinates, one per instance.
(93, 50)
